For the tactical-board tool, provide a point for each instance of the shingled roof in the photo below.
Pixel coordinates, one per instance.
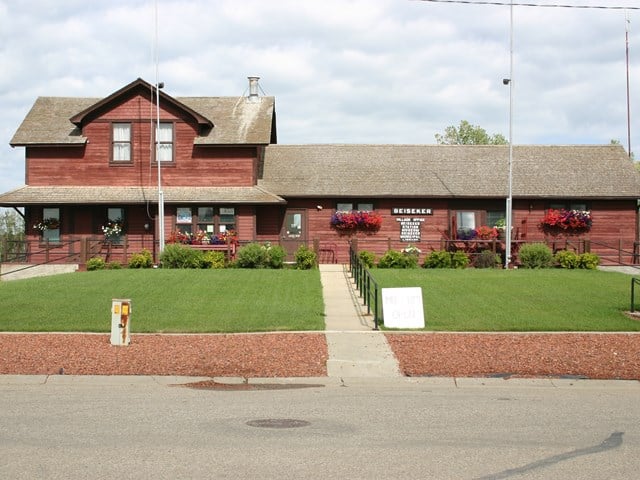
(28, 195)
(449, 171)
(234, 120)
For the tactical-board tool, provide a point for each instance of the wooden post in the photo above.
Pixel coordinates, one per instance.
(316, 248)
(84, 248)
(125, 249)
(620, 250)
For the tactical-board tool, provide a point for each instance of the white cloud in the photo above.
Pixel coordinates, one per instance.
(342, 71)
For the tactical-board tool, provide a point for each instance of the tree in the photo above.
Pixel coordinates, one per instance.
(631, 155)
(11, 232)
(467, 134)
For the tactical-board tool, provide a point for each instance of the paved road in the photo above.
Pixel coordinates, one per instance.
(82, 427)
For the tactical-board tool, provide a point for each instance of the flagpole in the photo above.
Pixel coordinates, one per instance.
(627, 23)
(507, 256)
(160, 192)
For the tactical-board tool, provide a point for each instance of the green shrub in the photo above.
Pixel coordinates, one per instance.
(438, 259)
(487, 259)
(367, 258)
(459, 260)
(215, 260)
(589, 261)
(306, 258)
(114, 265)
(96, 263)
(535, 255)
(142, 259)
(395, 259)
(176, 255)
(275, 256)
(566, 259)
(252, 255)
(255, 255)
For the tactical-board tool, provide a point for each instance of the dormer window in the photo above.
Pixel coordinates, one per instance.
(165, 142)
(121, 140)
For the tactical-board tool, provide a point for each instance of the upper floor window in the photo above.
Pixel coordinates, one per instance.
(121, 134)
(165, 142)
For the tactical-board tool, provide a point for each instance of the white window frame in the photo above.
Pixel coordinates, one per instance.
(165, 142)
(121, 142)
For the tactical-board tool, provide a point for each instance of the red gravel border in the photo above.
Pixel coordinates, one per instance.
(589, 355)
(271, 355)
(247, 355)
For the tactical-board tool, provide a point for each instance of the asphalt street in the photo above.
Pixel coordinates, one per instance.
(155, 427)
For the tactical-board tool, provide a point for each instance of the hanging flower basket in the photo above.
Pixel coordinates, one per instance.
(47, 224)
(566, 222)
(112, 230)
(350, 222)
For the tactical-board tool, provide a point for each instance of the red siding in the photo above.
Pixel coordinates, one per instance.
(90, 164)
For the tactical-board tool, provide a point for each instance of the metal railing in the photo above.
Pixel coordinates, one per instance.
(634, 281)
(367, 286)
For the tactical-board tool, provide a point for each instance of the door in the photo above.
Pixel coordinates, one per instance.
(294, 232)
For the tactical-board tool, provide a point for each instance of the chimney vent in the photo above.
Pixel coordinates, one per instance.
(253, 88)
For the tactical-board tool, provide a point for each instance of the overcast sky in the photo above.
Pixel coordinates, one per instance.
(342, 71)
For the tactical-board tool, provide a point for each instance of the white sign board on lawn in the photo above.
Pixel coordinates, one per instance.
(402, 307)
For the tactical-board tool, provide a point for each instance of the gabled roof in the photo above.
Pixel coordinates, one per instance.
(28, 195)
(225, 120)
(449, 171)
(133, 88)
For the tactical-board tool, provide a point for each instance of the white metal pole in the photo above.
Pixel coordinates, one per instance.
(160, 192)
(627, 23)
(507, 256)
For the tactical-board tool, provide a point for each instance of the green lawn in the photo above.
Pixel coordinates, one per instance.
(232, 300)
(519, 300)
(237, 300)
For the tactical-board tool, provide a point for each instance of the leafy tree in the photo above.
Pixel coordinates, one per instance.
(11, 231)
(467, 134)
(631, 156)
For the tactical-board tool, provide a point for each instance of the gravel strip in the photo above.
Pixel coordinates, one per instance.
(589, 355)
(254, 355)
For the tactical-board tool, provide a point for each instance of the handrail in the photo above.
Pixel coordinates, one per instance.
(634, 280)
(366, 284)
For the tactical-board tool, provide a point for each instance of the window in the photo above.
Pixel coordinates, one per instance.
(212, 220)
(569, 206)
(51, 219)
(165, 142)
(466, 220)
(495, 218)
(113, 229)
(121, 135)
(347, 207)
(115, 215)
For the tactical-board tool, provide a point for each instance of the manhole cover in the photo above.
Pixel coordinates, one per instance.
(278, 423)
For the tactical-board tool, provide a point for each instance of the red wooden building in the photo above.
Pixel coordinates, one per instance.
(92, 164)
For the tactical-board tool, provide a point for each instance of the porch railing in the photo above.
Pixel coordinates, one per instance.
(367, 286)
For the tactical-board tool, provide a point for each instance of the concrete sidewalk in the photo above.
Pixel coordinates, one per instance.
(355, 349)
